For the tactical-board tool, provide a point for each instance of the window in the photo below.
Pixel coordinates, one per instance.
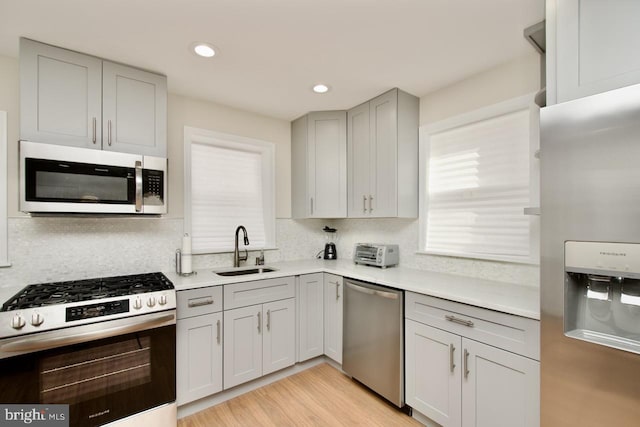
(229, 181)
(4, 253)
(476, 176)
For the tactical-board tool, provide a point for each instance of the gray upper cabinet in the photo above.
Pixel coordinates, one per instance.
(69, 98)
(134, 110)
(382, 153)
(592, 47)
(319, 165)
(60, 95)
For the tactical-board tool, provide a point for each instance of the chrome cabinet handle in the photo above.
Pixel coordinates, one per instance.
(311, 201)
(268, 320)
(218, 329)
(364, 204)
(459, 321)
(259, 321)
(337, 290)
(452, 349)
(466, 363)
(138, 185)
(109, 132)
(94, 130)
(200, 302)
(370, 199)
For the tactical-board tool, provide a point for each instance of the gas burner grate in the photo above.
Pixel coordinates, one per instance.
(41, 294)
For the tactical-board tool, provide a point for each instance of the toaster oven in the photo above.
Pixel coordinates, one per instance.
(379, 255)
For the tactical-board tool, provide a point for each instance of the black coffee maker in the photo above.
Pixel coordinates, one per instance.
(330, 251)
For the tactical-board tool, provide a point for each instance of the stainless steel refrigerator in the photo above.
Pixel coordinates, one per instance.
(590, 261)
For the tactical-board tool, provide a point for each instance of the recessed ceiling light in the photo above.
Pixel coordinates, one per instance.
(203, 49)
(321, 88)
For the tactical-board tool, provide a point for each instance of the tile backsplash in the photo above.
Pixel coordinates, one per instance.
(45, 249)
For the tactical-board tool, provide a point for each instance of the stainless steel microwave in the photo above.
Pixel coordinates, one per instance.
(61, 179)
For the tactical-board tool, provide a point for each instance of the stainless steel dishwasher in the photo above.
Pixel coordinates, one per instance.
(373, 338)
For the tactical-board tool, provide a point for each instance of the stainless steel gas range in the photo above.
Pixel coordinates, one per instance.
(106, 347)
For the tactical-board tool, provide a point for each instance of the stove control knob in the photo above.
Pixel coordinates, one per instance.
(37, 319)
(151, 301)
(163, 299)
(17, 322)
(137, 303)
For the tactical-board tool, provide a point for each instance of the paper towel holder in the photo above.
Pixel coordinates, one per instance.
(179, 265)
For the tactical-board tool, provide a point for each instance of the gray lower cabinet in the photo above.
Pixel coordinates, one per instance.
(333, 316)
(70, 98)
(456, 379)
(310, 316)
(259, 340)
(259, 329)
(198, 344)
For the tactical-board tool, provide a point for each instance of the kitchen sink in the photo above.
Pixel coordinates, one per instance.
(244, 271)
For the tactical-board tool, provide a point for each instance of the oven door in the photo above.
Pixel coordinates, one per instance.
(104, 371)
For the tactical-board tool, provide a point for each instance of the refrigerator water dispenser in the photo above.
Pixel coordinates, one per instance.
(602, 293)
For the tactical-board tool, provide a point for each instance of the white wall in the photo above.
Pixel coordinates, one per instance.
(509, 80)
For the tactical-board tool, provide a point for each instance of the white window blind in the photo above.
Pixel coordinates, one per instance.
(231, 184)
(477, 184)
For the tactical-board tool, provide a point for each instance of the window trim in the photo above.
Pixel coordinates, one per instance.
(525, 102)
(192, 134)
(4, 225)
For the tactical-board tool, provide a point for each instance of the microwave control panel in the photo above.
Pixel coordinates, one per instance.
(153, 187)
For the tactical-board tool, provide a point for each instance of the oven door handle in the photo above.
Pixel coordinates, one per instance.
(64, 337)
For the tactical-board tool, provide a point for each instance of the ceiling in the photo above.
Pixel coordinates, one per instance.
(273, 51)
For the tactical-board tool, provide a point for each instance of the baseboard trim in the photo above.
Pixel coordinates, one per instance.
(423, 419)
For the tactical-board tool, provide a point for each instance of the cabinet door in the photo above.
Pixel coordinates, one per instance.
(333, 317)
(60, 96)
(198, 357)
(134, 117)
(279, 335)
(433, 373)
(311, 316)
(242, 345)
(597, 46)
(499, 389)
(383, 176)
(358, 142)
(327, 164)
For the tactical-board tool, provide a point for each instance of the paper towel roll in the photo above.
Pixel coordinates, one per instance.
(186, 244)
(185, 265)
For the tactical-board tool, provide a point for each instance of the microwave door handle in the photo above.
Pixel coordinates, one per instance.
(138, 186)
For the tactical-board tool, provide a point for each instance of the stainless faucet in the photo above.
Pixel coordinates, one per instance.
(236, 255)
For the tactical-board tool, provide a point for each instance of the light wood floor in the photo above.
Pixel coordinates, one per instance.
(320, 396)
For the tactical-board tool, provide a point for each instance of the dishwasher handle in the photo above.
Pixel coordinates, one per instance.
(370, 291)
(361, 289)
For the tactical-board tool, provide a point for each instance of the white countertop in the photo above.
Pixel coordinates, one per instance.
(499, 296)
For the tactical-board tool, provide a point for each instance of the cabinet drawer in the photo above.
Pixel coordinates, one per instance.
(512, 333)
(194, 302)
(258, 292)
